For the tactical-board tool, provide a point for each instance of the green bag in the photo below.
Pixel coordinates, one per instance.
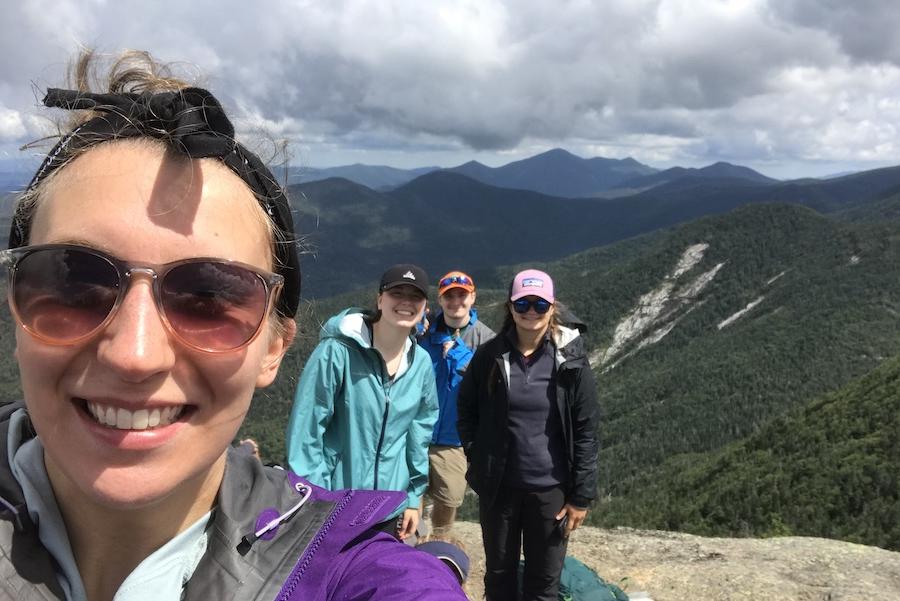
(580, 583)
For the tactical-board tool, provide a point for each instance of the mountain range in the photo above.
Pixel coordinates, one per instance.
(556, 172)
(377, 177)
(716, 170)
(445, 220)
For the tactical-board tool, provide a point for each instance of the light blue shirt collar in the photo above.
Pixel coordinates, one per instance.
(159, 577)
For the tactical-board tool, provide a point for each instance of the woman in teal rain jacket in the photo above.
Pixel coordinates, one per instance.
(366, 403)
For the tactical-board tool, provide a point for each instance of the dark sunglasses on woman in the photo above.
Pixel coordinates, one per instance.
(64, 294)
(540, 305)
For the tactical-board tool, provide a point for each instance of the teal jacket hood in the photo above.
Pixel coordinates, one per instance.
(353, 426)
(351, 324)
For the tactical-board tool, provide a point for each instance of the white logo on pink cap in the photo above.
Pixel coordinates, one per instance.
(532, 282)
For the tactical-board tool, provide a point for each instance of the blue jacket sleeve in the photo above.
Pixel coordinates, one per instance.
(419, 436)
(312, 412)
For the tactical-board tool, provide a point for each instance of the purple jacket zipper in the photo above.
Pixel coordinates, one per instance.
(297, 573)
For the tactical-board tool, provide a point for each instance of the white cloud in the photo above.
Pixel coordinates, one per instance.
(11, 125)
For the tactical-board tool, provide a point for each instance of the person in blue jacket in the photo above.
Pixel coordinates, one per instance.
(451, 340)
(366, 402)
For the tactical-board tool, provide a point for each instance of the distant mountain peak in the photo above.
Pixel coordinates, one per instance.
(557, 172)
(556, 152)
(723, 168)
(473, 163)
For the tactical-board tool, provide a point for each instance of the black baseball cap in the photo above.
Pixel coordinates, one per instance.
(405, 273)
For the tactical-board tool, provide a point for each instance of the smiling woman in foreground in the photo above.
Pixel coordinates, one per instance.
(154, 278)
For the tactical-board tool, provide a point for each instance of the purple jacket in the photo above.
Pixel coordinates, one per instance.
(323, 549)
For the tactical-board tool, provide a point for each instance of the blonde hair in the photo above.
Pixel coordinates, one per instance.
(133, 71)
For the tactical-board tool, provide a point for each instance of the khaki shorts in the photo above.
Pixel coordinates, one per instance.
(447, 475)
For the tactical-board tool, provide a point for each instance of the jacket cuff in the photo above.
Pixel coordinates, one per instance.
(579, 501)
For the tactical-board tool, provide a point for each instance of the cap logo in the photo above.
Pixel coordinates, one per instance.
(409, 275)
(532, 283)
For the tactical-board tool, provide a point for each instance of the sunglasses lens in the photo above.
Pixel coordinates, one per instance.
(62, 295)
(523, 304)
(455, 279)
(214, 306)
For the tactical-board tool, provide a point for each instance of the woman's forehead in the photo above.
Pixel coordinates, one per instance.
(405, 290)
(457, 292)
(132, 192)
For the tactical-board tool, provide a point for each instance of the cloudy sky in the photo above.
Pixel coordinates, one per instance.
(789, 87)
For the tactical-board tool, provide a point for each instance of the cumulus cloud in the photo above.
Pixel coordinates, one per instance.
(662, 80)
(11, 125)
(866, 30)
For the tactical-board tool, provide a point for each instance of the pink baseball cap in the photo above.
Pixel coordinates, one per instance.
(532, 282)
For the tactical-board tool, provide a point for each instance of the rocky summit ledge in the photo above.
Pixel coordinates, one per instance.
(671, 566)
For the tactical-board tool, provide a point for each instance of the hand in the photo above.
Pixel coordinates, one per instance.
(251, 446)
(447, 346)
(408, 524)
(576, 517)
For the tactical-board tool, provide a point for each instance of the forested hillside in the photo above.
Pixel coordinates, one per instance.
(829, 469)
(824, 297)
(830, 296)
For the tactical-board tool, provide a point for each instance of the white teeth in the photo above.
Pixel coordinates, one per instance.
(142, 419)
(123, 419)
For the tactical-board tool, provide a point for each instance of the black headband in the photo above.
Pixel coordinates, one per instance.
(190, 121)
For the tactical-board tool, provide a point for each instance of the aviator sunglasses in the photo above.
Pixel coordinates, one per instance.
(63, 294)
(540, 305)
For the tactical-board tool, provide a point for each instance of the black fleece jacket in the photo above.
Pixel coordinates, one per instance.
(483, 409)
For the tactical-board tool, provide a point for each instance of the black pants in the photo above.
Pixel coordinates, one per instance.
(520, 519)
